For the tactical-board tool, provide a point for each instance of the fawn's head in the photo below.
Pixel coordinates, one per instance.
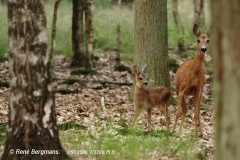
(141, 76)
(202, 39)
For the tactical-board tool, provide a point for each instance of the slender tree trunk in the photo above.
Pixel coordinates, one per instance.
(118, 57)
(226, 56)
(32, 118)
(79, 57)
(199, 13)
(119, 2)
(177, 19)
(89, 35)
(151, 40)
(54, 29)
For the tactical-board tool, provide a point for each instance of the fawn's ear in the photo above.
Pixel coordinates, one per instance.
(196, 30)
(208, 31)
(144, 69)
(135, 69)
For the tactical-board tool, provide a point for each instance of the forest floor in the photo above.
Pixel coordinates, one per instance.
(93, 104)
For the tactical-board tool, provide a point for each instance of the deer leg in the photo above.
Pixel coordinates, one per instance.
(197, 114)
(149, 111)
(136, 114)
(199, 123)
(166, 116)
(180, 99)
(184, 112)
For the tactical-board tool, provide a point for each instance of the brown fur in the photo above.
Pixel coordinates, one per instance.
(148, 98)
(190, 80)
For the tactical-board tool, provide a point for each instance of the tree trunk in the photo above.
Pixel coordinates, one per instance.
(79, 57)
(151, 40)
(177, 19)
(225, 41)
(32, 118)
(118, 57)
(54, 29)
(199, 18)
(89, 35)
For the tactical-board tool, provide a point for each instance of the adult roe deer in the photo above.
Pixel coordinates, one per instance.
(149, 98)
(190, 80)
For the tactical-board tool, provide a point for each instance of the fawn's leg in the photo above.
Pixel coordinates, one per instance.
(184, 112)
(166, 116)
(138, 110)
(149, 111)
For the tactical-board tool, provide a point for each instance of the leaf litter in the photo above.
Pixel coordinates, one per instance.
(93, 108)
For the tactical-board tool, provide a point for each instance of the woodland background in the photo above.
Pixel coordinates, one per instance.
(85, 122)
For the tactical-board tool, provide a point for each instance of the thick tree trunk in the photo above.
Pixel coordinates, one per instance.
(226, 56)
(199, 13)
(151, 40)
(79, 57)
(32, 118)
(177, 19)
(89, 35)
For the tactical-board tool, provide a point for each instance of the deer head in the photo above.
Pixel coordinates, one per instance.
(202, 39)
(141, 76)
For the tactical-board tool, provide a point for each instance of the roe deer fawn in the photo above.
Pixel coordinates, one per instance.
(190, 80)
(153, 97)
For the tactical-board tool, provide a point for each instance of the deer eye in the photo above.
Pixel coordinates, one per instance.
(208, 41)
(198, 41)
(140, 78)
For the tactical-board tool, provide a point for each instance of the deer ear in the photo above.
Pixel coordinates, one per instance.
(135, 69)
(144, 69)
(196, 30)
(208, 31)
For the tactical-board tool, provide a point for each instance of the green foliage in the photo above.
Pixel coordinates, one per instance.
(103, 4)
(105, 24)
(209, 64)
(3, 32)
(106, 18)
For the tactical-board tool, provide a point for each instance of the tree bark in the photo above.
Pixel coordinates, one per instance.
(199, 13)
(54, 29)
(79, 57)
(151, 40)
(32, 118)
(225, 49)
(177, 19)
(89, 35)
(118, 56)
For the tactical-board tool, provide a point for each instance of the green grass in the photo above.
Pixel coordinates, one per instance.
(129, 144)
